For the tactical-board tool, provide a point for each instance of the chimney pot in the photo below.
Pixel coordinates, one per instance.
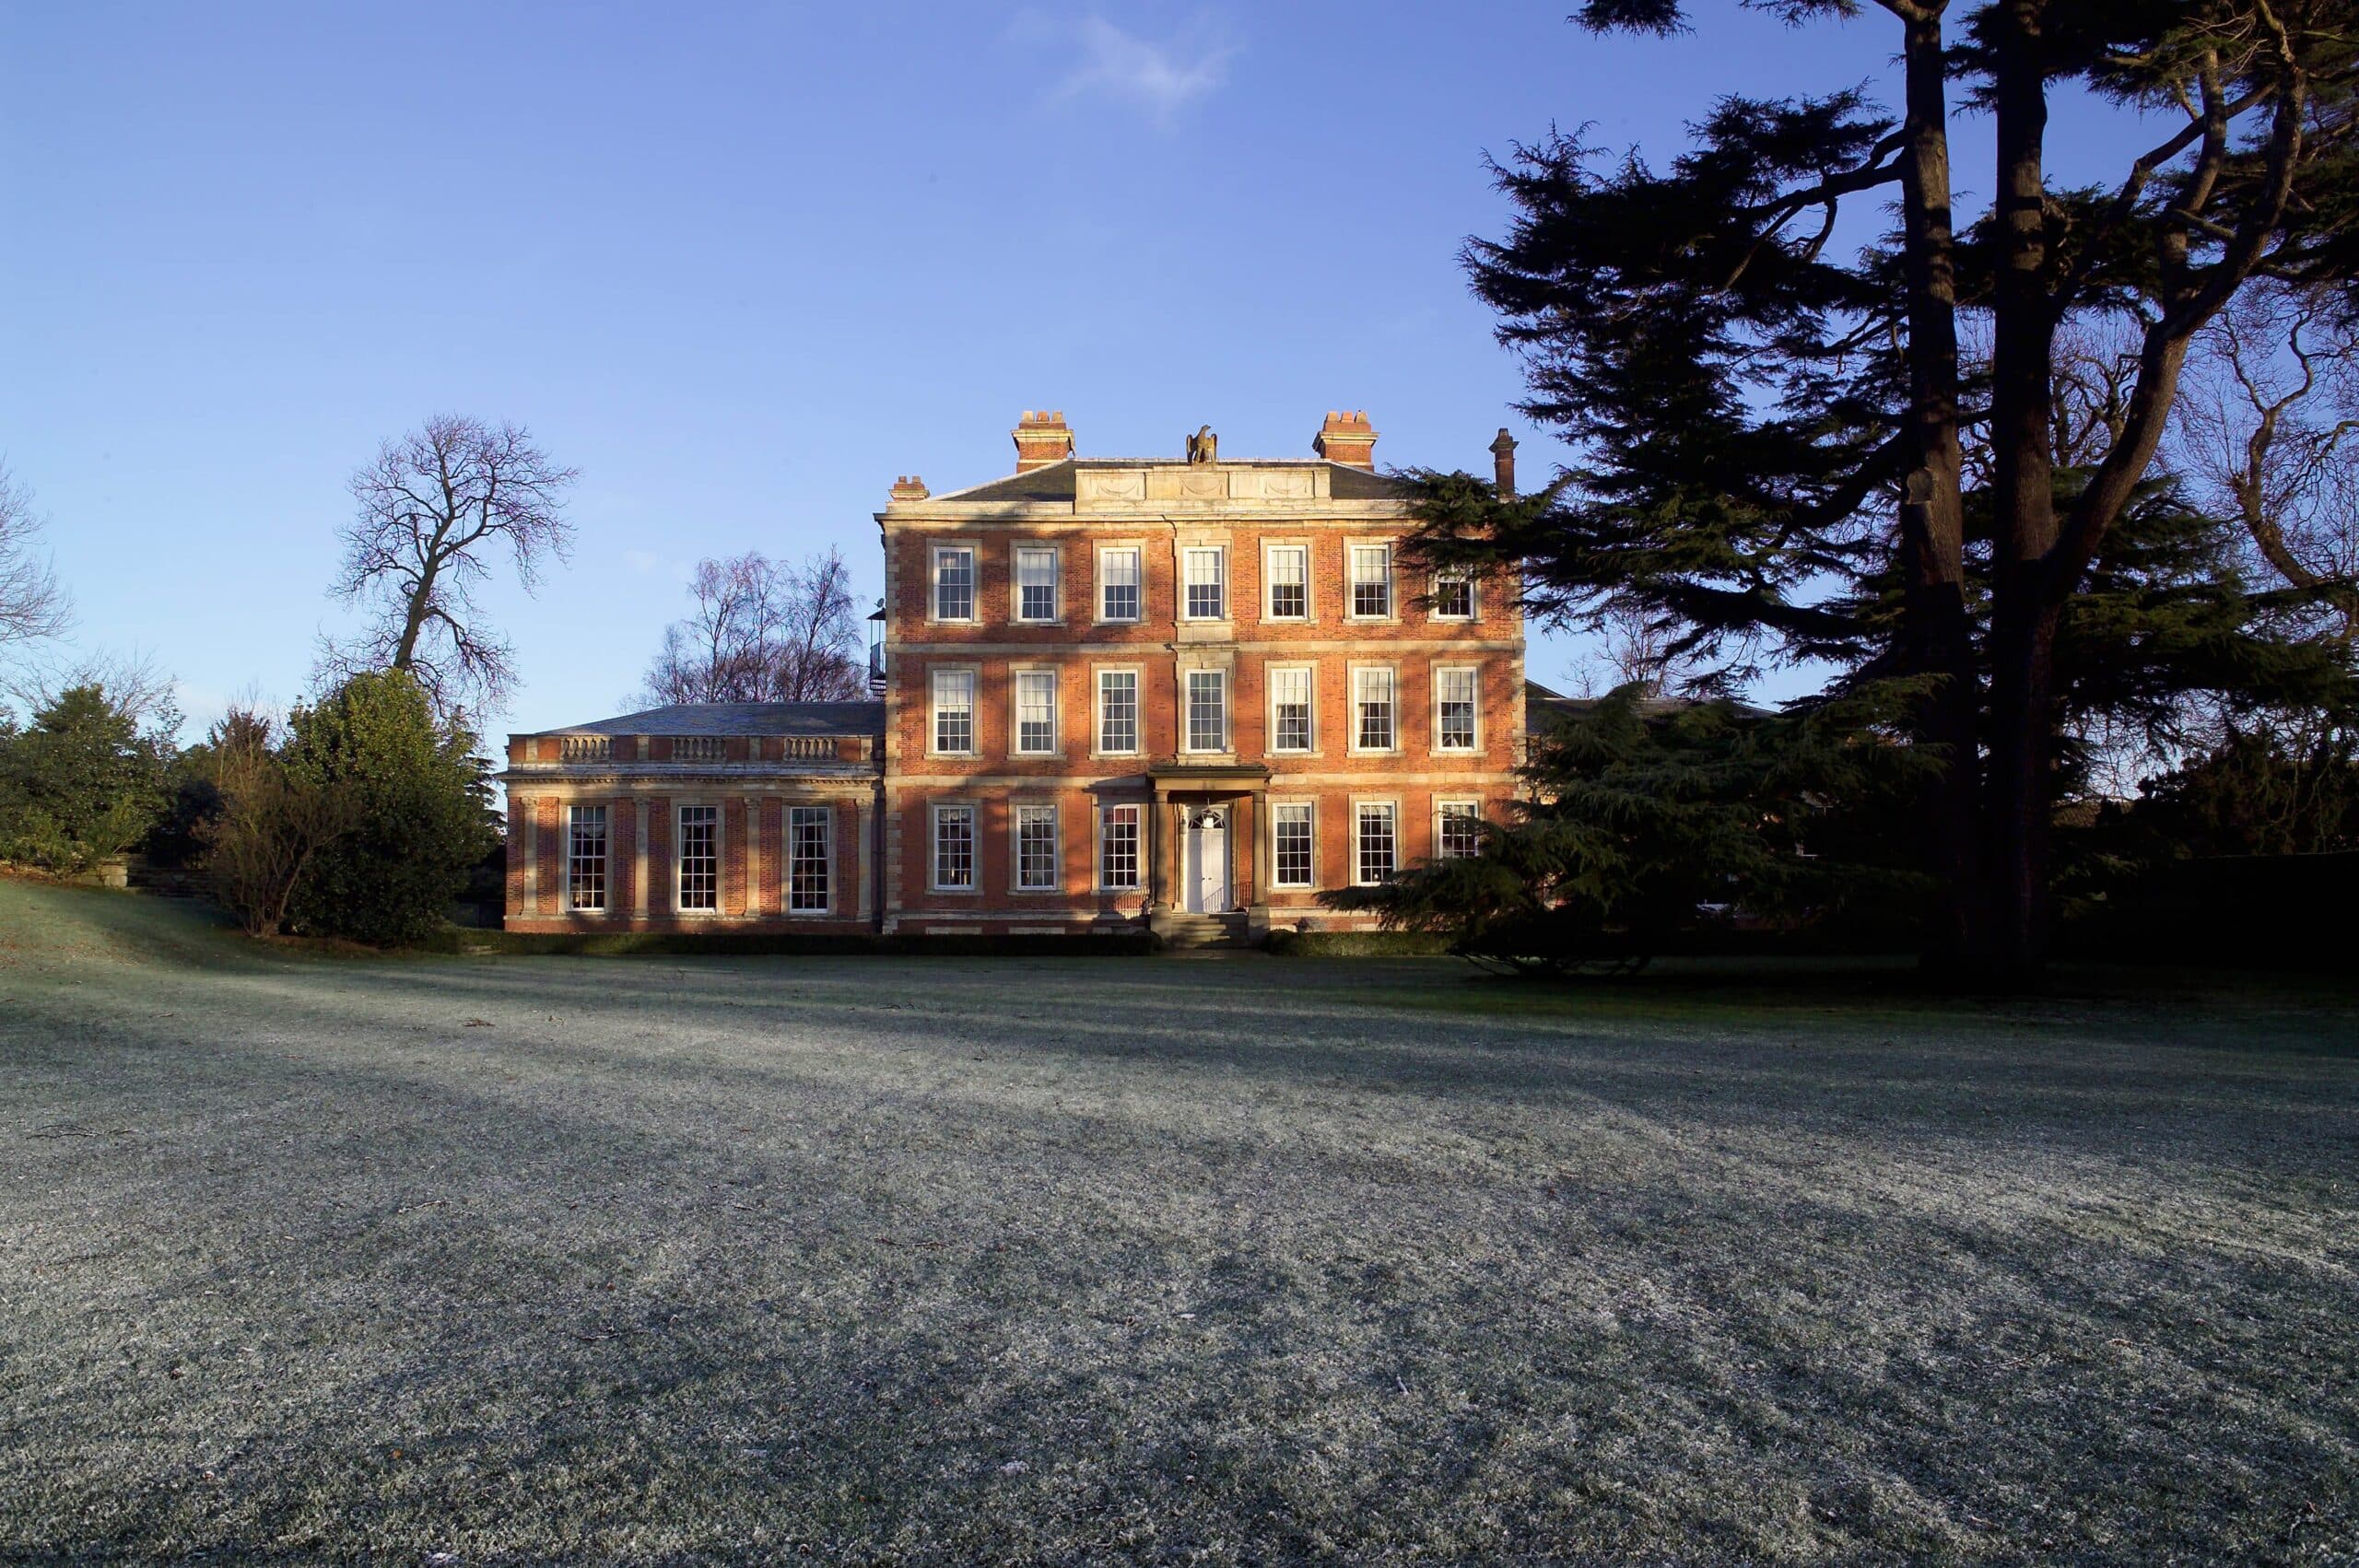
(1503, 464)
(1347, 439)
(1042, 438)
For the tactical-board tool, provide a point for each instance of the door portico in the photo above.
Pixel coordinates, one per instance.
(1204, 859)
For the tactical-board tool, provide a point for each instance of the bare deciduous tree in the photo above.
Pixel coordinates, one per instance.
(433, 508)
(1633, 646)
(32, 605)
(761, 632)
(135, 684)
(2270, 431)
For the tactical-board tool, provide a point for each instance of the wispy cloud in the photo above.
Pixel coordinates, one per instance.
(1158, 79)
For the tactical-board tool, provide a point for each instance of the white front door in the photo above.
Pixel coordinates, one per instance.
(1207, 868)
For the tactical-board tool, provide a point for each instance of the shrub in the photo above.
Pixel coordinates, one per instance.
(268, 823)
(81, 784)
(418, 811)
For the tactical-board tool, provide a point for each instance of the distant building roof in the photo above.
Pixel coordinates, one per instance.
(741, 718)
(1056, 482)
(1542, 707)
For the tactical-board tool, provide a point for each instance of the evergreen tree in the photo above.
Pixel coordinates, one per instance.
(81, 784)
(414, 794)
(1782, 456)
(1650, 822)
(2256, 794)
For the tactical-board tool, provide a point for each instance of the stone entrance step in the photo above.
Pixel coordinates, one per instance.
(1181, 931)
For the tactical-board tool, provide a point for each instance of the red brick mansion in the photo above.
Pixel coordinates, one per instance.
(1183, 693)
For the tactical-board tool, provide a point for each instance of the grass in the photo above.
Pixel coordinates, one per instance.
(502, 1259)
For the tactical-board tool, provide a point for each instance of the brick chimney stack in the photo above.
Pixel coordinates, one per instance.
(910, 488)
(1347, 439)
(1041, 437)
(1503, 464)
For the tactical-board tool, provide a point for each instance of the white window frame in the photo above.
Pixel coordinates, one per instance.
(1018, 811)
(1220, 559)
(1137, 553)
(1105, 816)
(935, 554)
(1355, 748)
(1016, 675)
(573, 857)
(1474, 600)
(1098, 673)
(974, 676)
(1443, 811)
(1270, 549)
(1278, 809)
(1365, 803)
(1473, 672)
(1309, 674)
(934, 814)
(1017, 551)
(680, 856)
(1187, 712)
(1391, 612)
(826, 859)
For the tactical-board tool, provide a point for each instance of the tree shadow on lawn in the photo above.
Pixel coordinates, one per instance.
(1215, 1343)
(2274, 1090)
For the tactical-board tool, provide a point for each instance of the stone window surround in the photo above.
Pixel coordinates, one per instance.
(1435, 748)
(1097, 708)
(1181, 549)
(974, 672)
(1227, 747)
(1270, 669)
(933, 552)
(1310, 805)
(1017, 804)
(1015, 710)
(1352, 746)
(1391, 543)
(1473, 598)
(1015, 548)
(1098, 586)
(1359, 802)
(1098, 810)
(1310, 579)
(1441, 804)
(973, 886)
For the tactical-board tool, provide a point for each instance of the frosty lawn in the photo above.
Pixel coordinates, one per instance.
(666, 1260)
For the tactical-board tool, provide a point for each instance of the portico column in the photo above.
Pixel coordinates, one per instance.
(1258, 843)
(1156, 835)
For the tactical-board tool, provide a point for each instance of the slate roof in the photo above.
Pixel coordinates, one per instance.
(1542, 707)
(742, 719)
(1056, 482)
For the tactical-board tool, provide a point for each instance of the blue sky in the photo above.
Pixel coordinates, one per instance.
(743, 264)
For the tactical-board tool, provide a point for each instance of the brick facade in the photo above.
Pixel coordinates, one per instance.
(1001, 638)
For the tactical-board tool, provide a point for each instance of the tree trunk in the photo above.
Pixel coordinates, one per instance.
(2023, 618)
(414, 619)
(1940, 637)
